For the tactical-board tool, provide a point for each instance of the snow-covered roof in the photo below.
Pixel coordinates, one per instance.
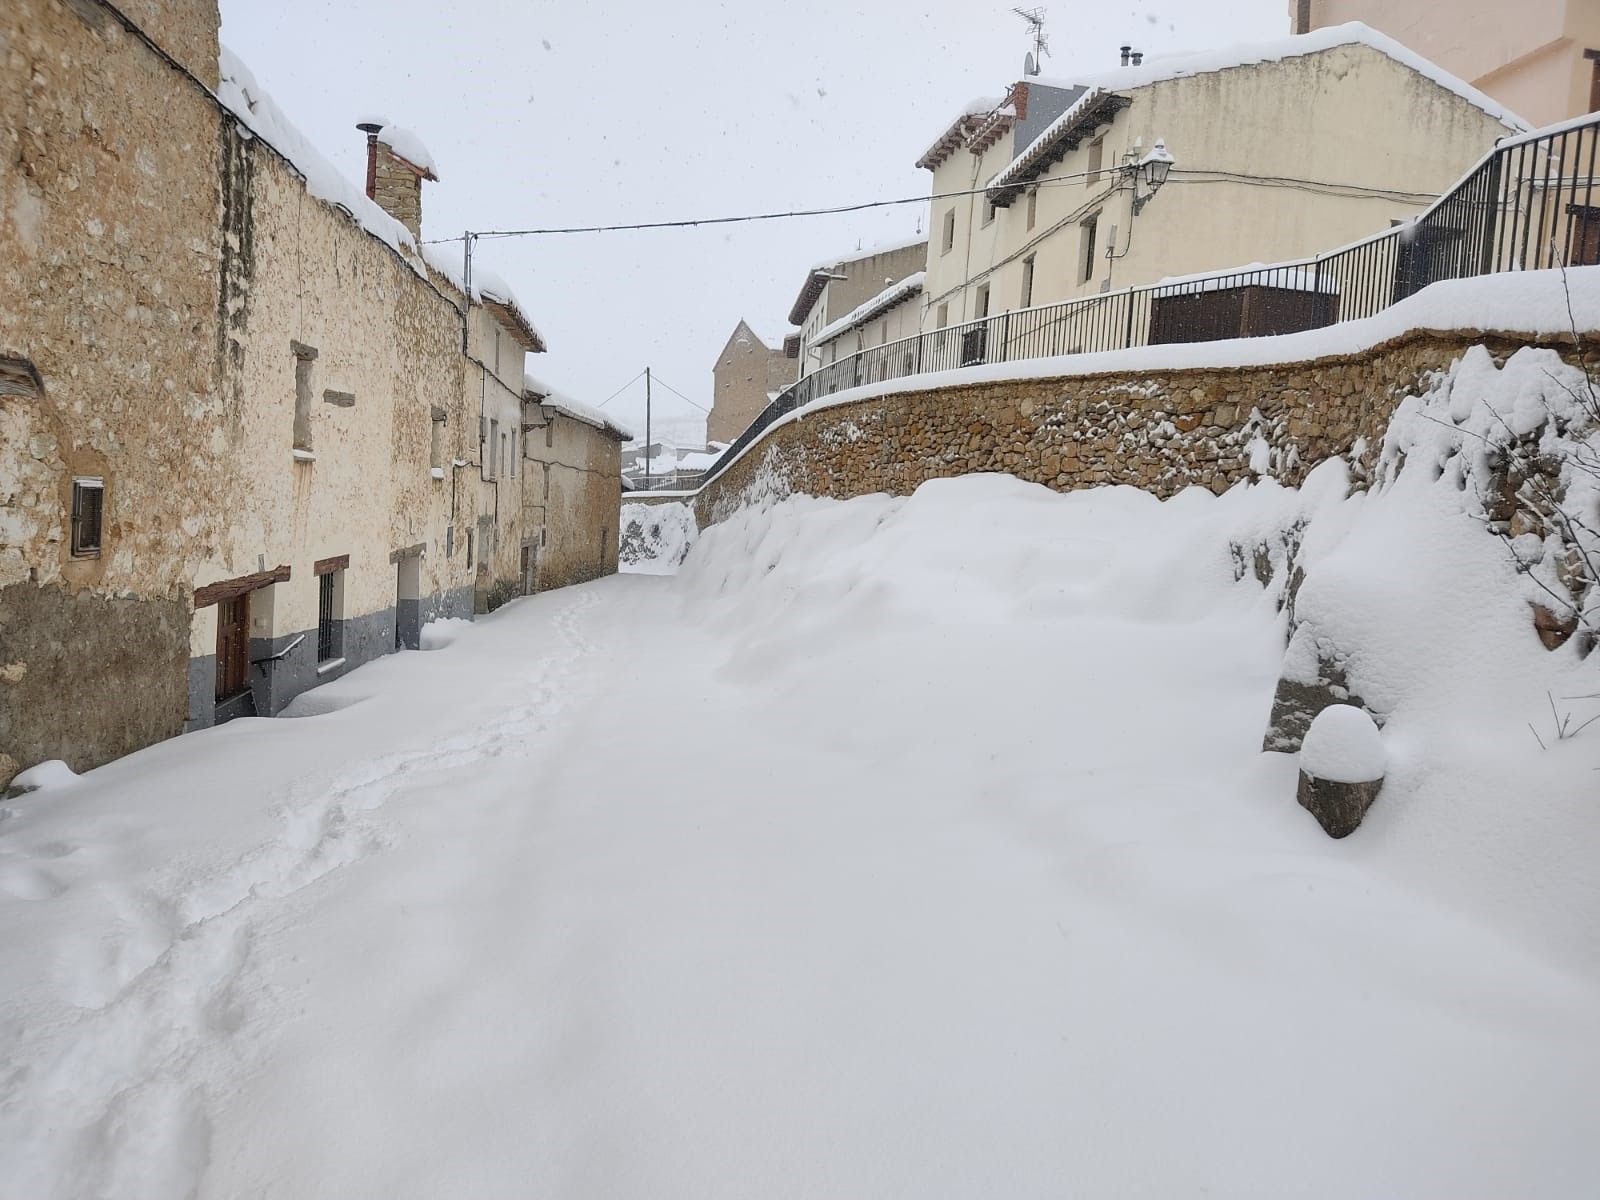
(547, 396)
(240, 93)
(870, 250)
(1092, 109)
(957, 132)
(1100, 101)
(495, 294)
(895, 293)
(408, 146)
(1352, 33)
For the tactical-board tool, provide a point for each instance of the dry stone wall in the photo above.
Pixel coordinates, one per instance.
(1161, 431)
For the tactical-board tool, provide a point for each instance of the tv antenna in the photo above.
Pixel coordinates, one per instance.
(1032, 64)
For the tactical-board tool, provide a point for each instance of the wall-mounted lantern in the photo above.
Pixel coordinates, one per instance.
(1152, 170)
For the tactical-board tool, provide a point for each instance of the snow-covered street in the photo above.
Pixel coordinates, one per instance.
(894, 848)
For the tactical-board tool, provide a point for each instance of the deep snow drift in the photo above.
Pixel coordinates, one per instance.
(655, 537)
(895, 847)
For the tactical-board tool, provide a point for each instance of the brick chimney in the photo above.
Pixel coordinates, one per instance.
(397, 163)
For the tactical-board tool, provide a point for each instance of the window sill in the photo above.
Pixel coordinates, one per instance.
(305, 456)
(333, 664)
(437, 472)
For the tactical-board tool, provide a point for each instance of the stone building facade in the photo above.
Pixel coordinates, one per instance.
(747, 374)
(572, 499)
(244, 442)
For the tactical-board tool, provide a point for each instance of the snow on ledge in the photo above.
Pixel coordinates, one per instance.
(1520, 303)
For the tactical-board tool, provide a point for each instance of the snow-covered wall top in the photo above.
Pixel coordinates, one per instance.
(869, 250)
(1533, 304)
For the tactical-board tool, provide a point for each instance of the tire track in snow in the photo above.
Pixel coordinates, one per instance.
(113, 1099)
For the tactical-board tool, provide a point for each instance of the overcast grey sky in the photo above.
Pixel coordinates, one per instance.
(592, 112)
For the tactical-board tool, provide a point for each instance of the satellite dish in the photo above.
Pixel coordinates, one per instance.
(1030, 65)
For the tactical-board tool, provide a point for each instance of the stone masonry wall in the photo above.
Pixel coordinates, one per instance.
(1160, 430)
(109, 266)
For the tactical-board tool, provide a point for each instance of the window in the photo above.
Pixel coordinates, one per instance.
(88, 508)
(1594, 79)
(981, 309)
(1026, 298)
(505, 454)
(469, 549)
(883, 333)
(330, 614)
(1097, 150)
(304, 356)
(988, 212)
(949, 232)
(436, 442)
(490, 448)
(943, 318)
(1086, 261)
(1033, 207)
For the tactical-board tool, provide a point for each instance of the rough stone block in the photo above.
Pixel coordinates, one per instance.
(1338, 807)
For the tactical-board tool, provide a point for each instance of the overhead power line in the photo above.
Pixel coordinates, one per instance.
(679, 394)
(746, 218)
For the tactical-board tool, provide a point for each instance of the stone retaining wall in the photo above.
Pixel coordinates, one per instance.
(1159, 430)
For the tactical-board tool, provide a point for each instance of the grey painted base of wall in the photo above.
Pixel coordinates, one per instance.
(283, 667)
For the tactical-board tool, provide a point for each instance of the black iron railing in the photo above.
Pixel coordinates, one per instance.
(1531, 203)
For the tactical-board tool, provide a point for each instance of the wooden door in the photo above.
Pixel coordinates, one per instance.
(233, 646)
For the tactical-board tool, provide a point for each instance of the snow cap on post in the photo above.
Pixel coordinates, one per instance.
(1342, 763)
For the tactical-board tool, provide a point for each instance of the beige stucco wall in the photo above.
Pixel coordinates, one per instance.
(108, 285)
(1326, 117)
(573, 499)
(1528, 56)
(382, 333)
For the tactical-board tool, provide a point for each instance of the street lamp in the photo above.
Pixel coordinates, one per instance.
(1153, 168)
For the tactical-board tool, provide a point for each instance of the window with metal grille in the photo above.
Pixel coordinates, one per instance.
(330, 628)
(88, 508)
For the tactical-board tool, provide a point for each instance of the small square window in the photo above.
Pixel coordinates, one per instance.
(88, 510)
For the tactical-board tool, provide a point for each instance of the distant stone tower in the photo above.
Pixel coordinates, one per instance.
(747, 375)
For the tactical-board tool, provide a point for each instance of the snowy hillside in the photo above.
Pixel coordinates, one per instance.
(894, 847)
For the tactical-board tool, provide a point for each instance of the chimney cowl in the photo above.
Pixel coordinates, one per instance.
(1126, 52)
(1136, 58)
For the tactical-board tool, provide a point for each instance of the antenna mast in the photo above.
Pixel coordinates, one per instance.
(1041, 44)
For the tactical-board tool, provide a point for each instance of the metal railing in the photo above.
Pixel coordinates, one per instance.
(1528, 204)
